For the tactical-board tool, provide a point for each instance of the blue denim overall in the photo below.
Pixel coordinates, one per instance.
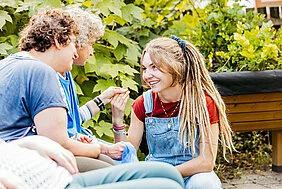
(164, 146)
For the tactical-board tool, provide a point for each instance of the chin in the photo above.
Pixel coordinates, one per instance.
(80, 63)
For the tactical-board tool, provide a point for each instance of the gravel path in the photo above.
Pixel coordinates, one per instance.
(259, 180)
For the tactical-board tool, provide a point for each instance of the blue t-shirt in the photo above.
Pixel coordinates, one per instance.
(27, 86)
(74, 120)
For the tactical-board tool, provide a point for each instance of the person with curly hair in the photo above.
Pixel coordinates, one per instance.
(90, 30)
(31, 97)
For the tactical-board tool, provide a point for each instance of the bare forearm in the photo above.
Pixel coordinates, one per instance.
(82, 149)
(119, 138)
(194, 166)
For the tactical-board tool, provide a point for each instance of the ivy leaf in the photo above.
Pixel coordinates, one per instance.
(110, 69)
(133, 53)
(128, 106)
(127, 82)
(4, 16)
(78, 89)
(88, 123)
(100, 62)
(74, 71)
(102, 85)
(112, 37)
(4, 47)
(24, 7)
(110, 19)
(9, 3)
(107, 6)
(120, 51)
(51, 3)
(104, 128)
(129, 12)
(89, 67)
(126, 69)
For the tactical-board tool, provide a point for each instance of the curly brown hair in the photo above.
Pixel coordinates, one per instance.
(45, 27)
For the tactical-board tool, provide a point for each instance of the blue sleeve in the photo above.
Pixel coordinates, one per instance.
(45, 91)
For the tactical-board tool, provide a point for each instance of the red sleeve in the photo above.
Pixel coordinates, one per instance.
(213, 113)
(139, 109)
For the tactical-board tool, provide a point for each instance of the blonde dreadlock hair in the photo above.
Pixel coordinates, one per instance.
(186, 65)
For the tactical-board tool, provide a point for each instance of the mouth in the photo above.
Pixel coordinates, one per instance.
(152, 83)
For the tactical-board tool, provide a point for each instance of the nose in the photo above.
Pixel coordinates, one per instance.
(147, 75)
(75, 56)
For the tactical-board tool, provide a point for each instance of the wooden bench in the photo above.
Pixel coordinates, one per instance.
(251, 112)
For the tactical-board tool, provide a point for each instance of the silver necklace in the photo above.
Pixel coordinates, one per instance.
(169, 120)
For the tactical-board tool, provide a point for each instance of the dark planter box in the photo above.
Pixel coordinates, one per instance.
(254, 102)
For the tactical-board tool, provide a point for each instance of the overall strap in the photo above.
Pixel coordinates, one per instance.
(148, 102)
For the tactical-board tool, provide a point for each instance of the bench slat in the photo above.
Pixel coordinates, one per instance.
(263, 97)
(257, 125)
(254, 107)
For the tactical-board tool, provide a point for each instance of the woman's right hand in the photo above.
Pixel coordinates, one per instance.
(118, 105)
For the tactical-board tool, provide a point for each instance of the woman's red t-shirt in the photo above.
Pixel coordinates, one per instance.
(139, 109)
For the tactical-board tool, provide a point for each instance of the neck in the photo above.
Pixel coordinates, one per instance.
(171, 94)
(45, 57)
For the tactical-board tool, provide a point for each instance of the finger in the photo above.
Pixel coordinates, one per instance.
(66, 159)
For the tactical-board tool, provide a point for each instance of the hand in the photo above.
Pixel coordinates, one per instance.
(118, 105)
(108, 94)
(85, 139)
(50, 149)
(114, 151)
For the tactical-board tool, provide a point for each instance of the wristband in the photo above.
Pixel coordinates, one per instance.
(120, 132)
(99, 103)
(118, 127)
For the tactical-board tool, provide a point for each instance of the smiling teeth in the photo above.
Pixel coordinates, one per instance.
(152, 83)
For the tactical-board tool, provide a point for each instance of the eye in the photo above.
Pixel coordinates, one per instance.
(154, 67)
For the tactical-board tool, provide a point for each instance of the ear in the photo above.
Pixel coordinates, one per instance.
(57, 44)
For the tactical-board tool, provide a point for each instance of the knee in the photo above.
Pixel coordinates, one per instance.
(165, 170)
(203, 181)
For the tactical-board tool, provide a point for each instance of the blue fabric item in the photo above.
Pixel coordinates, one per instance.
(129, 154)
(162, 137)
(181, 42)
(27, 86)
(164, 145)
(74, 121)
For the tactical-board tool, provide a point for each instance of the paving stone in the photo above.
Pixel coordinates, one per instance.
(260, 180)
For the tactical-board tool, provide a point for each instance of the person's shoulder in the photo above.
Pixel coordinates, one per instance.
(139, 99)
(208, 98)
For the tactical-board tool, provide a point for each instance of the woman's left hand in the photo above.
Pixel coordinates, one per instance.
(118, 105)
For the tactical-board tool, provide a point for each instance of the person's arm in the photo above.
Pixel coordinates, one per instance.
(118, 105)
(205, 161)
(50, 149)
(105, 98)
(52, 123)
(135, 132)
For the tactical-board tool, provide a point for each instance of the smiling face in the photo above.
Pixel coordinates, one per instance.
(156, 79)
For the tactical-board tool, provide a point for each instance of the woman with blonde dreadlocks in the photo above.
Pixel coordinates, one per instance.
(183, 113)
